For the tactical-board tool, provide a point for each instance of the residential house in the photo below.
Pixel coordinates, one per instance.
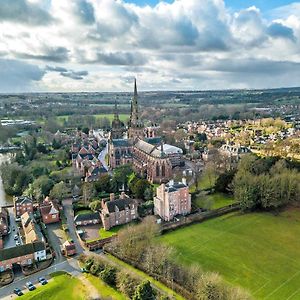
(172, 199)
(4, 221)
(22, 205)
(31, 229)
(68, 248)
(22, 255)
(87, 219)
(118, 211)
(49, 211)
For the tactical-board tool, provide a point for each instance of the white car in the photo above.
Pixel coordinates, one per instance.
(18, 243)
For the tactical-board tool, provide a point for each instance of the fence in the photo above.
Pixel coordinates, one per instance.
(200, 217)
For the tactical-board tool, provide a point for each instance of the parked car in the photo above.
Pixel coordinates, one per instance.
(14, 228)
(18, 243)
(18, 292)
(43, 281)
(16, 237)
(30, 286)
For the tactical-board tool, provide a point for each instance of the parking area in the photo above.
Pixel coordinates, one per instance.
(14, 237)
(91, 232)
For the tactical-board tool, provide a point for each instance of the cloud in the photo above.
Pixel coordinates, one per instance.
(21, 11)
(76, 75)
(183, 44)
(18, 76)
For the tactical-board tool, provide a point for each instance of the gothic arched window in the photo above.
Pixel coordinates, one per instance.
(163, 170)
(157, 170)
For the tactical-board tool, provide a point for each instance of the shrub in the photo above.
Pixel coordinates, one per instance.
(108, 275)
(126, 284)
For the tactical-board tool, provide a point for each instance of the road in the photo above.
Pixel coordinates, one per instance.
(69, 213)
(56, 239)
(70, 266)
(101, 157)
(9, 239)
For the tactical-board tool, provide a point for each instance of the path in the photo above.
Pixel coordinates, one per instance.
(93, 293)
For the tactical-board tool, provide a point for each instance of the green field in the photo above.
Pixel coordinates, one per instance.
(123, 117)
(258, 251)
(213, 201)
(60, 287)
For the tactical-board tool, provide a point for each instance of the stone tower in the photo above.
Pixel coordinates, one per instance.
(135, 129)
(118, 126)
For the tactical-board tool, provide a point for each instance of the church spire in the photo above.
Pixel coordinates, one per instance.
(134, 107)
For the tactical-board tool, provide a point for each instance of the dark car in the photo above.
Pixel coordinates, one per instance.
(30, 286)
(18, 292)
(43, 281)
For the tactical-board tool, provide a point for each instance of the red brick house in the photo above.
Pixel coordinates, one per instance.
(49, 211)
(118, 211)
(22, 205)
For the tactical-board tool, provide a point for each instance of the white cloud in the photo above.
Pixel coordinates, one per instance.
(185, 44)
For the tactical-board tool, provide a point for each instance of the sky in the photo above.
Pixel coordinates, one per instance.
(101, 45)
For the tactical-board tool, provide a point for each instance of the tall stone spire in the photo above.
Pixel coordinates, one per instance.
(116, 114)
(134, 118)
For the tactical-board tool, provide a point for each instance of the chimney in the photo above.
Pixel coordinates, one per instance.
(111, 196)
(184, 181)
(122, 196)
(171, 182)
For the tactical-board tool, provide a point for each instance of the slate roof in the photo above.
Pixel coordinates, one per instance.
(148, 148)
(87, 217)
(120, 143)
(154, 140)
(120, 203)
(22, 200)
(174, 187)
(25, 249)
(48, 207)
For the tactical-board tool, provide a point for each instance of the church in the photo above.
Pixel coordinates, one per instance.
(138, 146)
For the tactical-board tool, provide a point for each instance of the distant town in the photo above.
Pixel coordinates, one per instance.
(100, 195)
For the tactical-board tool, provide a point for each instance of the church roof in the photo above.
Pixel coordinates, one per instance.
(148, 148)
(120, 142)
(154, 140)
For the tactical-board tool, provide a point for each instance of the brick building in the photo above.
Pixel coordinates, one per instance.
(22, 205)
(172, 199)
(22, 255)
(118, 211)
(31, 229)
(49, 211)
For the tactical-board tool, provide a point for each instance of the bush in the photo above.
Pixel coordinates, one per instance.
(126, 284)
(144, 291)
(108, 275)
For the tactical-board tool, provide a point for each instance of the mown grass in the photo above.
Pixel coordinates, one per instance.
(204, 183)
(213, 201)
(103, 289)
(111, 232)
(62, 286)
(258, 251)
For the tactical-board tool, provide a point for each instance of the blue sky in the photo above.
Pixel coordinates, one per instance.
(263, 5)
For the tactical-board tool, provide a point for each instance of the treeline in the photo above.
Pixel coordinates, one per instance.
(264, 183)
(125, 282)
(138, 245)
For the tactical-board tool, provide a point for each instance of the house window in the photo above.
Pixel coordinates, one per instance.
(53, 216)
(157, 170)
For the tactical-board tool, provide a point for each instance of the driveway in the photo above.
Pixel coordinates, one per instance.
(101, 157)
(69, 213)
(56, 239)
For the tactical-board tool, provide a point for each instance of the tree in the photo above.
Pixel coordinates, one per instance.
(85, 130)
(224, 181)
(120, 177)
(59, 191)
(108, 275)
(144, 291)
(103, 184)
(95, 205)
(88, 191)
(139, 187)
(126, 284)
(42, 187)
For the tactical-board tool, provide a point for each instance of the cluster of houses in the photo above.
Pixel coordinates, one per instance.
(85, 154)
(30, 244)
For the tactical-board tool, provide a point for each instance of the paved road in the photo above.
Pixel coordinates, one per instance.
(69, 213)
(70, 266)
(9, 240)
(101, 157)
(56, 239)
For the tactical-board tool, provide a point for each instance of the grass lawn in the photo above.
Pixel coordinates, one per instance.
(62, 286)
(108, 233)
(214, 201)
(204, 183)
(258, 251)
(104, 290)
(83, 212)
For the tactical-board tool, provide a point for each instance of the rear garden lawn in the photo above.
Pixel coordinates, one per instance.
(213, 201)
(204, 183)
(258, 251)
(62, 286)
